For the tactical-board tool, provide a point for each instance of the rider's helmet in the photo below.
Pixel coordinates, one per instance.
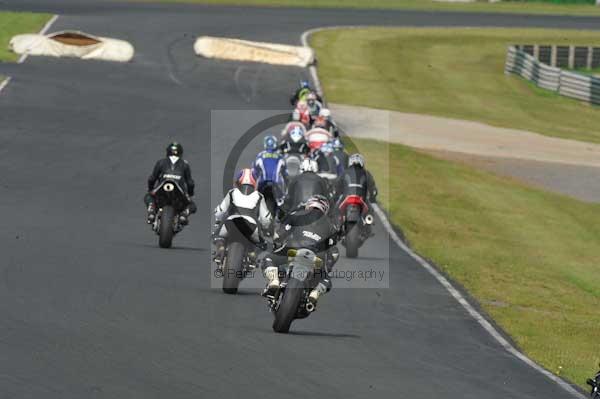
(174, 150)
(311, 99)
(321, 122)
(245, 181)
(337, 144)
(356, 159)
(296, 134)
(325, 113)
(304, 84)
(317, 202)
(309, 165)
(270, 143)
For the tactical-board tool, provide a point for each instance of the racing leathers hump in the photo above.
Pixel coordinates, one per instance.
(251, 207)
(304, 186)
(177, 170)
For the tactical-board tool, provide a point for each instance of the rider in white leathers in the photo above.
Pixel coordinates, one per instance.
(241, 201)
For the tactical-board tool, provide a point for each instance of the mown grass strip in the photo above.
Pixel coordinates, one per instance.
(451, 72)
(516, 7)
(13, 23)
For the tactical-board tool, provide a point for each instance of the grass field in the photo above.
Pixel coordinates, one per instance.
(529, 257)
(13, 23)
(427, 5)
(451, 72)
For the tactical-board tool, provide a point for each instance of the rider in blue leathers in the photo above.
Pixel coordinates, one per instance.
(269, 169)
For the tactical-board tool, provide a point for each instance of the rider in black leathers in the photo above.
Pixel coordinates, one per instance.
(307, 227)
(175, 168)
(356, 180)
(304, 186)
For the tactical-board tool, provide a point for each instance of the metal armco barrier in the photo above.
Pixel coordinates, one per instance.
(569, 84)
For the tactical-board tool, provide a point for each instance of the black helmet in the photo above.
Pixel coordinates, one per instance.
(174, 149)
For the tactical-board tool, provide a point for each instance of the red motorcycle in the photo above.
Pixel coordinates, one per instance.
(356, 223)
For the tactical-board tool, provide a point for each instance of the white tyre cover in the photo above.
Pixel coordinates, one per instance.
(244, 50)
(106, 49)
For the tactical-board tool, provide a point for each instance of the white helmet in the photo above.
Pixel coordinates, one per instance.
(325, 112)
(356, 159)
(309, 165)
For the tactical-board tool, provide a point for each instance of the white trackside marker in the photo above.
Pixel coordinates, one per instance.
(433, 271)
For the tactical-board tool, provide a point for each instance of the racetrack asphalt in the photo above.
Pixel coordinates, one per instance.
(90, 307)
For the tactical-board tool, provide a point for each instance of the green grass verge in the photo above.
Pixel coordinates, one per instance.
(593, 72)
(529, 257)
(426, 5)
(451, 72)
(13, 23)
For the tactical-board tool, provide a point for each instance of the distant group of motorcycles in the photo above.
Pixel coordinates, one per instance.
(285, 214)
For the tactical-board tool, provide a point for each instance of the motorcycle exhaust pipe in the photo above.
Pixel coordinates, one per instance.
(310, 307)
(369, 219)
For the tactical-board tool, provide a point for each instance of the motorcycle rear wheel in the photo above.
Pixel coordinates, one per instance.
(288, 306)
(232, 272)
(166, 231)
(352, 240)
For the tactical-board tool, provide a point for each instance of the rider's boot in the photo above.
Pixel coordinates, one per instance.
(272, 276)
(219, 253)
(316, 293)
(183, 217)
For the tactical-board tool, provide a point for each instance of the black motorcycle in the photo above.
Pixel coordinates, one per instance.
(291, 300)
(356, 223)
(595, 384)
(239, 259)
(171, 201)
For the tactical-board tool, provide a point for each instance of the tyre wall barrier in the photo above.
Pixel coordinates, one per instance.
(569, 84)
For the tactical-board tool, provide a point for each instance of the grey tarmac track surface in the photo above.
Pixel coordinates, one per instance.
(91, 308)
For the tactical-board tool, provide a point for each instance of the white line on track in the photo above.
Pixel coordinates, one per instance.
(23, 57)
(4, 83)
(42, 32)
(433, 271)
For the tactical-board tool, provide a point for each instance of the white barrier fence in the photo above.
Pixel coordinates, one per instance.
(569, 84)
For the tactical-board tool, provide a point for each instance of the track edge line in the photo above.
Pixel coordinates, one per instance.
(453, 291)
